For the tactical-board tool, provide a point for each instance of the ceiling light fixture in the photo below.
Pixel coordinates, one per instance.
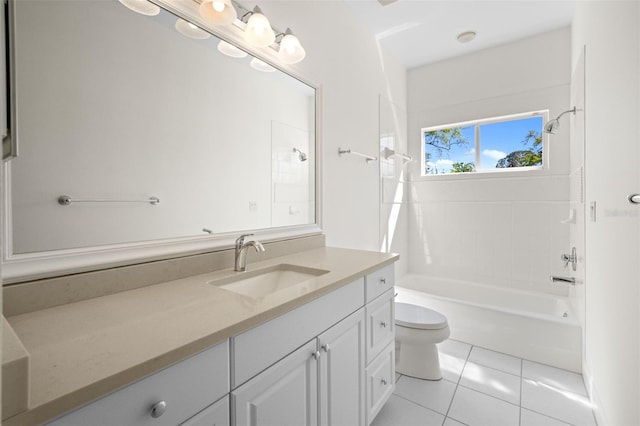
(258, 31)
(218, 12)
(142, 7)
(291, 51)
(466, 36)
(187, 29)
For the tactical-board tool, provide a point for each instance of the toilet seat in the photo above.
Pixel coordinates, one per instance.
(414, 316)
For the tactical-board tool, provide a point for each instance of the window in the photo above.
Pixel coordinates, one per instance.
(484, 145)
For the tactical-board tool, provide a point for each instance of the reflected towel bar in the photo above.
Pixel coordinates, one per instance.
(65, 200)
(388, 152)
(367, 158)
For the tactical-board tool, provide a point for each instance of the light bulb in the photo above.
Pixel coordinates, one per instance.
(291, 51)
(218, 6)
(218, 12)
(258, 31)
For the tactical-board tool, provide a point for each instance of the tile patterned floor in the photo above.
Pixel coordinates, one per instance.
(485, 388)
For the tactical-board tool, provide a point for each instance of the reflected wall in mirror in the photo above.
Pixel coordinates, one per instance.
(115, 105)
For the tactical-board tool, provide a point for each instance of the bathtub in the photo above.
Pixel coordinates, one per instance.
(533, 326)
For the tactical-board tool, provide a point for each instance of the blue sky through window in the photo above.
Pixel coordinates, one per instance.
(497, 140)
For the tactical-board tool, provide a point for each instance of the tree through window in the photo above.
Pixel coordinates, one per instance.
(484, 145)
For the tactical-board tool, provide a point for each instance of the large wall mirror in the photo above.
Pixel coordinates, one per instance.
(151, 133)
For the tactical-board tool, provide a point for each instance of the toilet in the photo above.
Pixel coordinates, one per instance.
(418, 329)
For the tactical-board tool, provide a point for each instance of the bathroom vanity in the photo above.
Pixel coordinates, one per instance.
(197, 351)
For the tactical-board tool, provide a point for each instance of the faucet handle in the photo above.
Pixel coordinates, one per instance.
(241, 238)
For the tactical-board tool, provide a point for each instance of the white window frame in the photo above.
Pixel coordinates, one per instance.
(477, 123)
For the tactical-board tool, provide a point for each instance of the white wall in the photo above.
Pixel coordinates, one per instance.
(610, 32)
(503, 229)
(353, 71)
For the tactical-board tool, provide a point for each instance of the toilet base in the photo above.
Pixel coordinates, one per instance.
(419, 361)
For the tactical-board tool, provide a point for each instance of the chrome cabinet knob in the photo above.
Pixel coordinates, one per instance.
(383, 280)
(316, 355)
(383, 382)
(158, 409)
(326, 347)
(383, 324)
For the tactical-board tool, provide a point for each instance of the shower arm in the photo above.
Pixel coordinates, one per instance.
(573, 110)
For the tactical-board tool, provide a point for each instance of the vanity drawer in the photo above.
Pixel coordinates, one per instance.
(262, 346)
(186, 387)
(380, 324)
(378, 282)
(380, 381)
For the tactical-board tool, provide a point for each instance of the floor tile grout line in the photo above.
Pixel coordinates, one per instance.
(458, 382)
(419, 405)
(491, 396)
(521, 380)
(495, 369)
(547, 415)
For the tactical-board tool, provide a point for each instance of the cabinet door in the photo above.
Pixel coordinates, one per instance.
(342, 372)
(286, 394)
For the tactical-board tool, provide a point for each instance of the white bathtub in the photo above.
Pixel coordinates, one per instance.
(533, 326)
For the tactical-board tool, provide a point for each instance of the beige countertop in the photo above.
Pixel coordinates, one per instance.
(83, 350)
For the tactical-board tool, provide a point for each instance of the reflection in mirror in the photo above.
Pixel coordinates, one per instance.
(117, 106)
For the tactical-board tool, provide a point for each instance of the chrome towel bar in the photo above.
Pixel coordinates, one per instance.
(367, 158)
(65, 200)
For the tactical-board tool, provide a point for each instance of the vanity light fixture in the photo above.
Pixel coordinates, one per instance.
(218, 12)
(258, 31)
(259, 65)
(290, 51)
(142, 7)
(187, 29)
(230, 50)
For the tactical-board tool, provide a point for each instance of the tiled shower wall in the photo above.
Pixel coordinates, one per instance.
(508, 232)
(502, 228)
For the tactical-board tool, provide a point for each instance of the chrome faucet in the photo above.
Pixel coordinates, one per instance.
(241, 251)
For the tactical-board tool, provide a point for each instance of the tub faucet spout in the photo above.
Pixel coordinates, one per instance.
(241, 251)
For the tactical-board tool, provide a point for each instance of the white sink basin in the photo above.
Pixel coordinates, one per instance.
(264, 282)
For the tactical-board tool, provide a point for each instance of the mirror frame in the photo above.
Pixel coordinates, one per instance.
(31, 266)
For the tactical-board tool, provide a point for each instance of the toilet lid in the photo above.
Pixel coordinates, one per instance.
(414, 316)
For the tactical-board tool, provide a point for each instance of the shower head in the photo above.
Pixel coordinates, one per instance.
(552, 125)
(301, 155)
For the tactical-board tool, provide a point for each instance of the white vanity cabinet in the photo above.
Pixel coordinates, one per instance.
(321, 383)
(329, 362)
(343, 376)
(168, 397)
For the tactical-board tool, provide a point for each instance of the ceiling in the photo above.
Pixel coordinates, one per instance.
(418, 32)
